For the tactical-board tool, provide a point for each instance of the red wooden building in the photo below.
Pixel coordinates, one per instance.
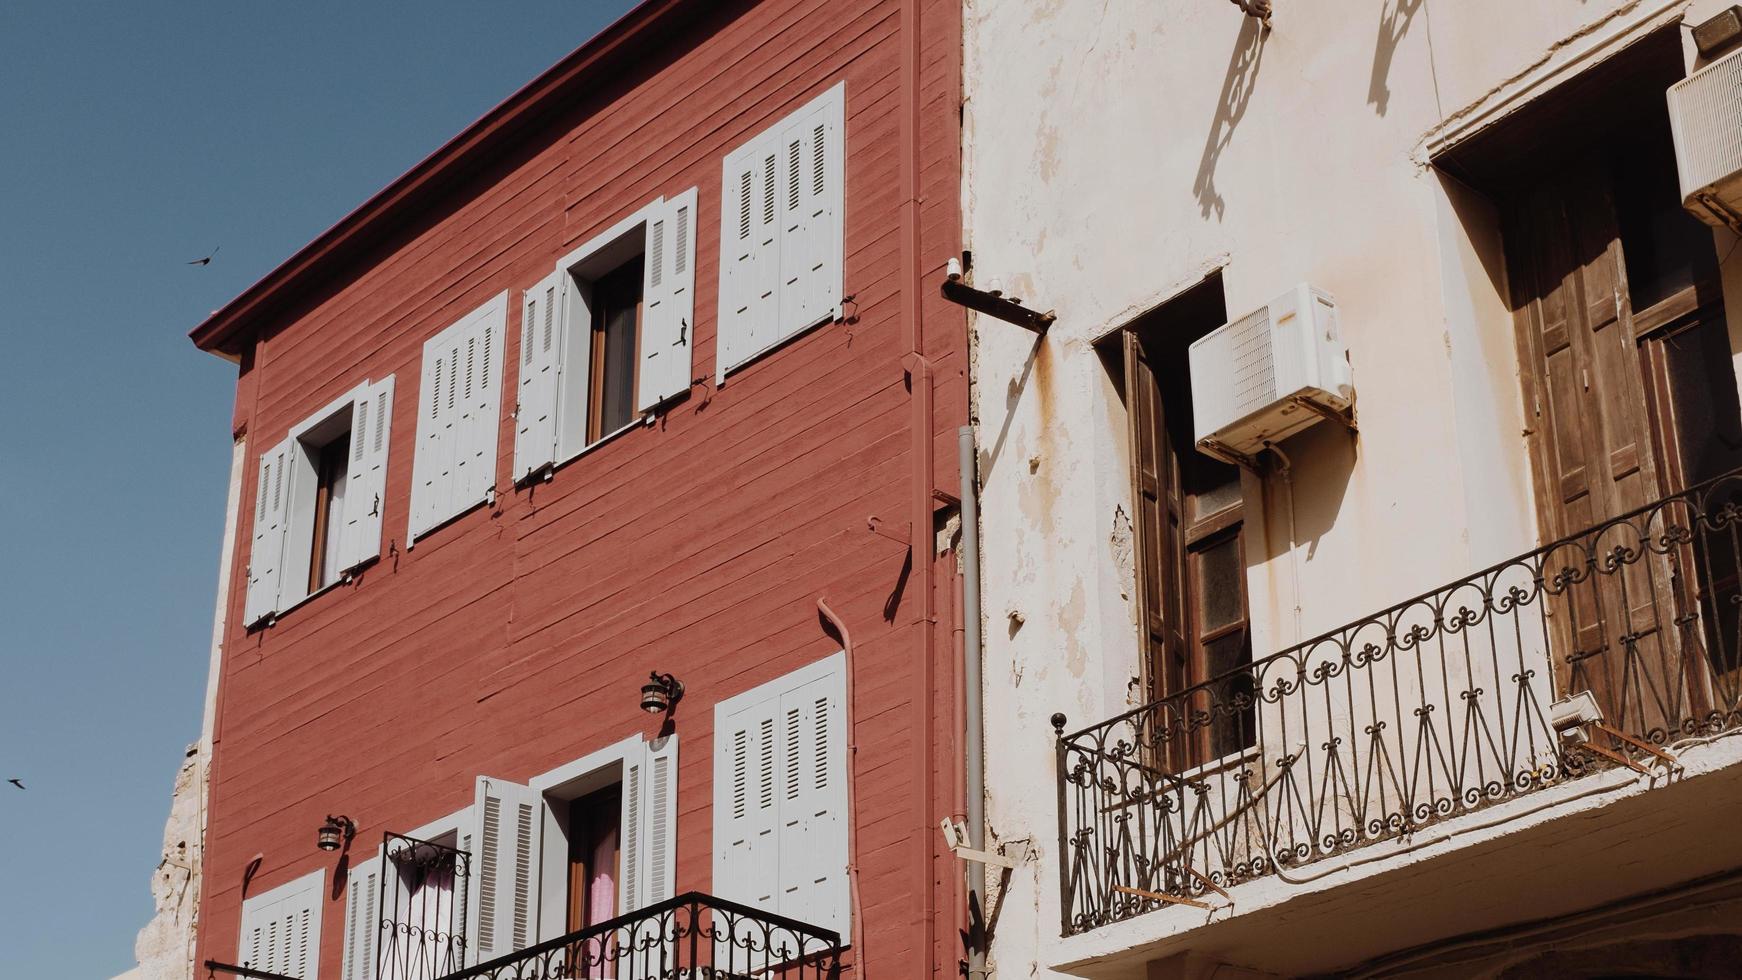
(645, 373)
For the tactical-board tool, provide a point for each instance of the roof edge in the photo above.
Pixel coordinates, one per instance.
(222, 331)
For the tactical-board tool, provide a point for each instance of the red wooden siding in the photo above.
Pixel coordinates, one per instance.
(516, 638)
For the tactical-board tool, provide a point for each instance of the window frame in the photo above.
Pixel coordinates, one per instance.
(306, 442)
(600, 256)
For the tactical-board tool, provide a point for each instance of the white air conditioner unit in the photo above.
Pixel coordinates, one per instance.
(1270, 374)
(1705, 117)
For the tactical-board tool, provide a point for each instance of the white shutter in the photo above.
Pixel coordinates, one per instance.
(502, 917)
(780, 831)
(366, 481)
(749, 253)
(541, 342)
(433, 460)
(478, 355)
(813, 802)
(746, 818)
(781, 230)
(812, 206)
(281, 929)
(459, 406)
(668, 301)
(362, 919)
(266, 552)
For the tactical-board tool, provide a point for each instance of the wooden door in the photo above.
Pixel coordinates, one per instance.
(1591, 448)
(1156, 529)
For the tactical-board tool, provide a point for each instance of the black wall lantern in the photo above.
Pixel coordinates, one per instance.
(661, 693)
(335, 833)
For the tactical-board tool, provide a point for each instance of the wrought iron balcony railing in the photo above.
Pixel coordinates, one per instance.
(690, 937)
(1596, 651)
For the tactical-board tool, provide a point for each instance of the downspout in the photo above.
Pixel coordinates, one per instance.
(974, 735)
(919, 375)
(856, 922)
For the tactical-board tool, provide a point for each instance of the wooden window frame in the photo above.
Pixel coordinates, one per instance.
(331, 460)
(606, 288)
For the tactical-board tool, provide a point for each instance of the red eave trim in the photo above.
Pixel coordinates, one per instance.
(220, 332)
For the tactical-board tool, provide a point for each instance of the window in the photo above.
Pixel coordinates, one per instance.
(780, 796)
(317, 501)
(781, 231)
(616, 329)
(590, 841)
(1189, 520)
(332, 466)
(606, 336)
(459, 403)
(595, 822)
(281, 929)
(406, 906)
(1625, 368)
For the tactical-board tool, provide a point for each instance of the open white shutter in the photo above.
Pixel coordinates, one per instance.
(503, 917)
(266, 551)
(478, 355)
(362, 919)
(668, 301)
(281, 929)
(366, 482)
(541, 342)
(433, 460)
(811, 207)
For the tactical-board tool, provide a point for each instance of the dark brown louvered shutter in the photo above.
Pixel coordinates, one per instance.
(1589, 438)
(1156, 528)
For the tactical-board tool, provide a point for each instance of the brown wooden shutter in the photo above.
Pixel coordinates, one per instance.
(1156, 527)
(1590, 438)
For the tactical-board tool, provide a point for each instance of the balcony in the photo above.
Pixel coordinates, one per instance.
(690, 937)
(1605, 657)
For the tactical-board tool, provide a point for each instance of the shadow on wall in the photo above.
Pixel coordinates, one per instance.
(1324, 461)
(1394, 20)
(1236, 96)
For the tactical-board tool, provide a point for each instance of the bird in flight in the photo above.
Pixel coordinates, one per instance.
(205, 261)
(17, 783)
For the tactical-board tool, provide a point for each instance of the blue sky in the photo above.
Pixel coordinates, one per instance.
(133, 138)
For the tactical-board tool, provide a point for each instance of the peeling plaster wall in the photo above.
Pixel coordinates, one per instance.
(1115, 153)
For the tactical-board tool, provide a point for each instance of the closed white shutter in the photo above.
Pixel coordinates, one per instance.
(459, 412)
(813, 804)
(749, 253)
(362, 919)
(266, 551)
(668, 301)
(366, 482)
(281, 929)
(812, 205)
(504, 913)
(782, 231)
(541, 342)
(746, 814)
(780, 828)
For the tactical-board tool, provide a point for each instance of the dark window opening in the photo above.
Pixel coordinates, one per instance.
(1190, 543)
(332, 470)
(615, 334)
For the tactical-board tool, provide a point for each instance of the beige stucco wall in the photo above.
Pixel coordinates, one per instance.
(1118, 151)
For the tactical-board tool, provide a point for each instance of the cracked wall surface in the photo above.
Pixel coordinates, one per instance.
(1118, 152)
